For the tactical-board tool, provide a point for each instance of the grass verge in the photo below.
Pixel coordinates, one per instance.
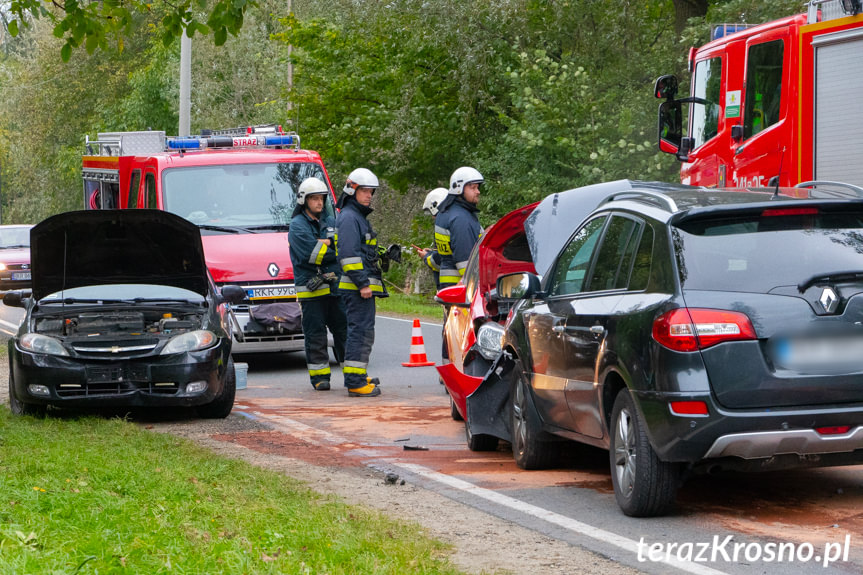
(410, 306)
(92, 495)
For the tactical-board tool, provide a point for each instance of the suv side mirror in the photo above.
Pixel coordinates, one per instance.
(454, 295)
(233, 294)
(517, 286)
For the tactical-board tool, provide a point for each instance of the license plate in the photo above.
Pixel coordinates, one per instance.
(822, 354)
(272, 292)
(18, 276)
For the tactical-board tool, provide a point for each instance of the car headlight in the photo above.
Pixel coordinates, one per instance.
(190, 341)
(38, 343)
(488, 340)
(2, 266)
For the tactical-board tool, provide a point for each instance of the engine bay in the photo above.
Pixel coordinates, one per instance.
(122, 323)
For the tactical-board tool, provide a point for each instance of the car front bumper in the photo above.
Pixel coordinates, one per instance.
(146, 381)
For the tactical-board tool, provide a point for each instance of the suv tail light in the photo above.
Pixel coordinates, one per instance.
(692, 329)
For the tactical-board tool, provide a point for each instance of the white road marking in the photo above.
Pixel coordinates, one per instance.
(325, 438)
(550, 516)
(13, 326)
(422, 322)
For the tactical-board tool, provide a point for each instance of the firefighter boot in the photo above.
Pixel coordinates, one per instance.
(323, 385)
(368, 390)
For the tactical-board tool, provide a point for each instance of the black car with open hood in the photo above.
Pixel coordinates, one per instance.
(122, 312)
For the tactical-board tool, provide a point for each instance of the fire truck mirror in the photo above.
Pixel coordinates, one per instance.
(666, 87)
(670, 126)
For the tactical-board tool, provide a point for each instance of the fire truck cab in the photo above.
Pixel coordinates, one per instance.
(239, 186)
(773, 103)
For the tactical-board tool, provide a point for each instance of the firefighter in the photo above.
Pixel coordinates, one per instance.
(430, 256)
(457, 227)
(313, 256)
(361, 280)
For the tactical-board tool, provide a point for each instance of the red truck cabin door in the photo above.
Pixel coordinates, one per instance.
(765, 136)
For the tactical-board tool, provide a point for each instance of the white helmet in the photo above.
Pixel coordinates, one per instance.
(360, 178)
(462, 176)
(311, 187)
(433, 200)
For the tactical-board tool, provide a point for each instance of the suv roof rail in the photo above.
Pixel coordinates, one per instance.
(649, 197)
(815, 183)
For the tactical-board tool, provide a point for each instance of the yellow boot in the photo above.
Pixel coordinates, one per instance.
(368, 390)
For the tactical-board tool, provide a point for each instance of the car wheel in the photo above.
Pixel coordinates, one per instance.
(478, 441)
(223, 403)
(19, 407)
(528, 447)
(644, 486)
(454, 411)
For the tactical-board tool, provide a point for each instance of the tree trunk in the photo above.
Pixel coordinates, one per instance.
(686, 9)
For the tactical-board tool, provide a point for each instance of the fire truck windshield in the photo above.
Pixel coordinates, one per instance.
(237, 195)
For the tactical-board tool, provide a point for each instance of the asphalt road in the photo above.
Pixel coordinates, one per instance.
(408, 430)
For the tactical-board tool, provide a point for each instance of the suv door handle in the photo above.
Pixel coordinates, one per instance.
(597, 329)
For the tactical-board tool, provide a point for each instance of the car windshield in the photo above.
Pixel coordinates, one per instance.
(758, 253)
(241, 196)
(14, 238)
(124, 292)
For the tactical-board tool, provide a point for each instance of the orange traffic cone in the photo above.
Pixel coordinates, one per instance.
(418, 349)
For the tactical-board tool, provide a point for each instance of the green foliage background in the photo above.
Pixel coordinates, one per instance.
(539, 95)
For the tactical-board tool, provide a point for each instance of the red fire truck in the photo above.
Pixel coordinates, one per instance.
(777, 101)
(239, 187)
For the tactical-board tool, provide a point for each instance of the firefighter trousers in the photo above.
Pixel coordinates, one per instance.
(318, 315)
(361, 337)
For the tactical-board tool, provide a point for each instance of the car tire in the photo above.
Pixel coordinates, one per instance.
(223, 403)
(529, 449)
(18, 407)
(479, 441)
(644, 486)
(453, 410)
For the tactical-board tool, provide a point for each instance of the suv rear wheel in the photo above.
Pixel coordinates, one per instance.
(644, 486)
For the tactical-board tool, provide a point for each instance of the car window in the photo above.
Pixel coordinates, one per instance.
(134, 183)
(611, 270)
(705, 111)
(757, 253)
(641, 266)
(471, 272)
(763, 86)
(150, 186)
(572, 265)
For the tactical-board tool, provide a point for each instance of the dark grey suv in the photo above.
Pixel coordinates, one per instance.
(686, 329)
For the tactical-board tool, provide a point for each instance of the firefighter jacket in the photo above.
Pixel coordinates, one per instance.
(432, 260)
(310, 257)
(357, 250)
(456, 231)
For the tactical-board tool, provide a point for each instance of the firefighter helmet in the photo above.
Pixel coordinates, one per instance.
(360, 178)
(433, 200)
(462, 176)
(311, 187)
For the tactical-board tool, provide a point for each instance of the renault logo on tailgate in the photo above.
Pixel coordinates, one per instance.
(273, 269)
(829, 300)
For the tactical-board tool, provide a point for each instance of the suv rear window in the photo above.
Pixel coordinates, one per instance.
(759, 253)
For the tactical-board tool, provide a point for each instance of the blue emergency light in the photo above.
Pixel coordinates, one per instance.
(236, 138)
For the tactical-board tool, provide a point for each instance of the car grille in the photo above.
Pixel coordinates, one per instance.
(117, 380)
(115, 347)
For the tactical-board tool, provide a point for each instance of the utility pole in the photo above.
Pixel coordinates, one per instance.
(185, 82)
(290, 70)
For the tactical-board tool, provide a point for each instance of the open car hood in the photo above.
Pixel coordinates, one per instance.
(97, 247)
(557, 216)
(503, 249)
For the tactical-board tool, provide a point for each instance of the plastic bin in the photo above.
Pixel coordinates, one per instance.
(242, 372)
